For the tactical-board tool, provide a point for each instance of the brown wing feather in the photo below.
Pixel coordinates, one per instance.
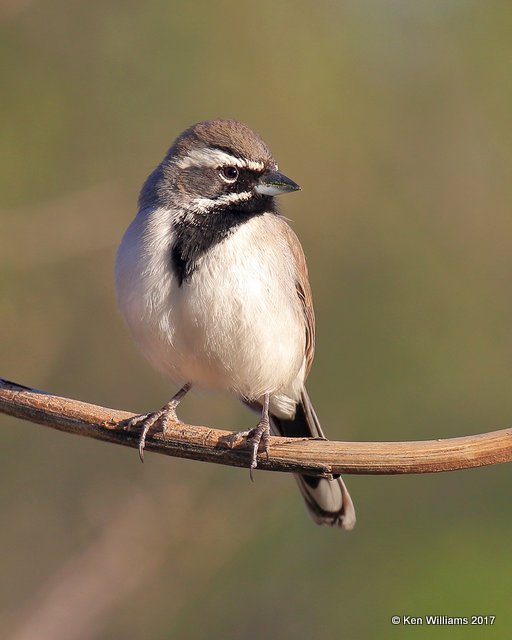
(304, 293)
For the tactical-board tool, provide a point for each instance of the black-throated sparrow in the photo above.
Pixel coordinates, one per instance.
(214, 286)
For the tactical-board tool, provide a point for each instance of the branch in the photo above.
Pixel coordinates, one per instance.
(299, 455)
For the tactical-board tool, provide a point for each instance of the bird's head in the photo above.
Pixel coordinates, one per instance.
(215, 165)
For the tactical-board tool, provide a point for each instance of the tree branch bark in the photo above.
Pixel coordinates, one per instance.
(299, 455)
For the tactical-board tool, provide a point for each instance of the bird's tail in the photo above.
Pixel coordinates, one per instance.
(328, 501)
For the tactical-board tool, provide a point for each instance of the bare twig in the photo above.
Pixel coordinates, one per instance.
(307, 456)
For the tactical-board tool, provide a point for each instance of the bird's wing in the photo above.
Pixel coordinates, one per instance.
(304, 293)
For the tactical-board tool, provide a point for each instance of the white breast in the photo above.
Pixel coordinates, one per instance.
(236, 325)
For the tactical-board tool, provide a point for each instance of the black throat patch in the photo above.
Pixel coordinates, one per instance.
(194, 239)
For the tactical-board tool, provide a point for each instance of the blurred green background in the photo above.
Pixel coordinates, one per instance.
(395, 118)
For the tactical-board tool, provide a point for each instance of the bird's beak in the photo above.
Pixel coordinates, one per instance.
(273, 183)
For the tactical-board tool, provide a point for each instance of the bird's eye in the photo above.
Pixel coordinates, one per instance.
(229, 174)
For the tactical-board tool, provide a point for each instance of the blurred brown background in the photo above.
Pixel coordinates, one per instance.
(395, 118)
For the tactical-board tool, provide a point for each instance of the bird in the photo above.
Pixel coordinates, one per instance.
(213, 284)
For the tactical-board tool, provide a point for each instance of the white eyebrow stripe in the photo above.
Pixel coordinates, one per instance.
(202, 205)
(214, 158)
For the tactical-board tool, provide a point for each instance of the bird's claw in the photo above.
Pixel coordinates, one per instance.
(147, 421)
(258, 439)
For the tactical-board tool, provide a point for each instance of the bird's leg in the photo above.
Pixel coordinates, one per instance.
(259, 435)
(163, 415)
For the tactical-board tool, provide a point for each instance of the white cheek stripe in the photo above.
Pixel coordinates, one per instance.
(202, 205)
(216, 158)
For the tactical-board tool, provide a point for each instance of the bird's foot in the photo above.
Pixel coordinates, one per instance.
(257, 439)
(147, 421)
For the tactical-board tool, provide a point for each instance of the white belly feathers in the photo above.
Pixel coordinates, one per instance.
(231, 326)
